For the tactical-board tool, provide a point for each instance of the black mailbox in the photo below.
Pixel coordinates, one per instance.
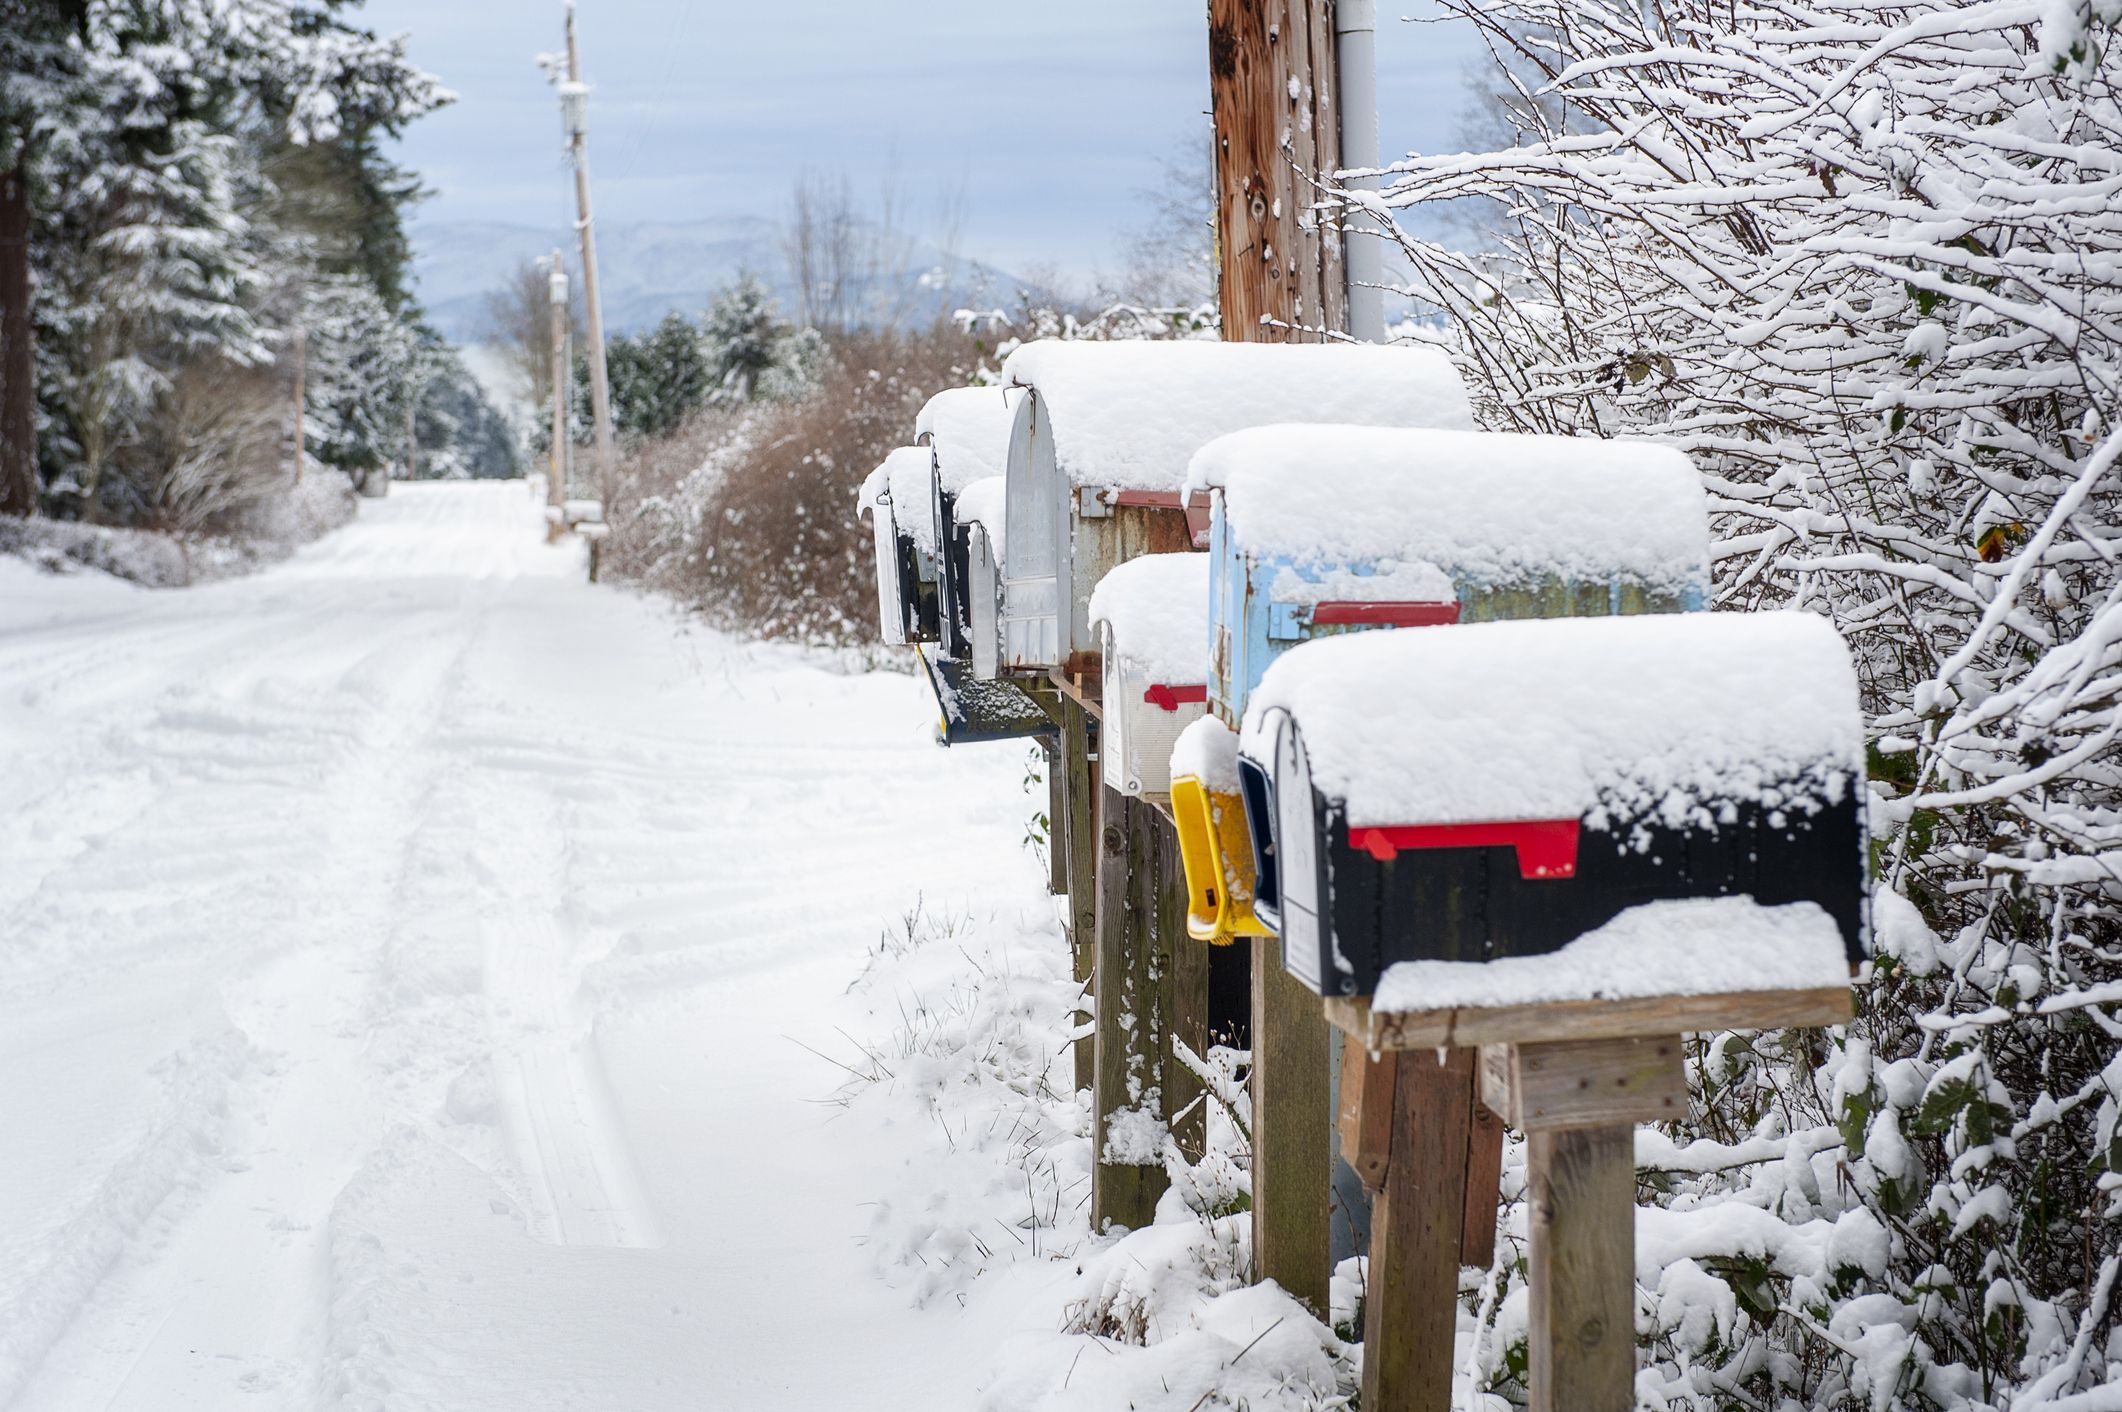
(1502, 789)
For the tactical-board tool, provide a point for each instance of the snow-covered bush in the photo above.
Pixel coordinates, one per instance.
(969, 1063)
(1861, 260)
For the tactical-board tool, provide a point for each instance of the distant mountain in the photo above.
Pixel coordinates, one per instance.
(649, 269)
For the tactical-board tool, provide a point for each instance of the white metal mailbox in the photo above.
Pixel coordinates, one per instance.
(874, 504)
(1151, 616)
(1101, 440)
(1501, 789)
(968, 430)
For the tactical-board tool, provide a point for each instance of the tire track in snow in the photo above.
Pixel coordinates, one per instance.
(554, 1100)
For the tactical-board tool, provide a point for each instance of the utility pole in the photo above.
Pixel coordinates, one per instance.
(1271, 84)
(1277, 127)
(18, 360)
(556, 484)
(301, 395)
(574, 109)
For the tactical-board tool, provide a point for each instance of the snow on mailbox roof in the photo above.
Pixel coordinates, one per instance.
(1496, 507)
(907, 472)
(982, 503)
(872, 486)
(1207, 750)
(971, 428)
(1681, 946)
(1158, 608)
(1608, 720)
(1131, 415)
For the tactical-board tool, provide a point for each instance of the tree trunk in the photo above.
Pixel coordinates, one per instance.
(18, 362)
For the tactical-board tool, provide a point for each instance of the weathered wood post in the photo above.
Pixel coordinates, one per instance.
(1147, 969)
(1271, 83)
(1078, 830)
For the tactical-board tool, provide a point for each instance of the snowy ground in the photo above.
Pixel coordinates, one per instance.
(406, 961)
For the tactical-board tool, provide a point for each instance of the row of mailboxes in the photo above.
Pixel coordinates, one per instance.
(1502, 789)
(1104, 433)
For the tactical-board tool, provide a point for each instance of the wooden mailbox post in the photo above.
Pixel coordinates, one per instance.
(1544, 851)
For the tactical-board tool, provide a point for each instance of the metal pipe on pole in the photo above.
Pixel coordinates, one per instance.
(1363, 250)
(574, 110)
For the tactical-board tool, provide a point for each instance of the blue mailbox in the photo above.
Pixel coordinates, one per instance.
(1316, 532)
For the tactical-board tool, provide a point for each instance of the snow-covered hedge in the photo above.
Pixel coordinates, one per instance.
(1861, 261)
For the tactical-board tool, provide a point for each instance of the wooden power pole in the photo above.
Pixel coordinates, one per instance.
(18, 359)
(1277, 127)
(1271, 80)
(574, 107)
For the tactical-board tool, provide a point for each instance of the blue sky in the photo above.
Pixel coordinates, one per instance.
(1049, 115)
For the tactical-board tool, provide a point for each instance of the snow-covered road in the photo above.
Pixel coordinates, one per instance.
(404, 955)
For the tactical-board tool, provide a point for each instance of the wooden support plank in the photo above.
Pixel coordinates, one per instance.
(1365, 1121)
(1293, 1116)
(1590, 1083)
(1411, 1306)
(1188, 970)
(1152, 986)
(1582, 1321)
(1484, 1187)
(1078, 840)
(1590, 1019)
(1056, 766)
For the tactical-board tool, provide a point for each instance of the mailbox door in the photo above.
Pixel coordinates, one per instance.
(1300, 870)
(971, 711)
(1034, 582)
(1256, 786)
(891, 605)
(984, 596)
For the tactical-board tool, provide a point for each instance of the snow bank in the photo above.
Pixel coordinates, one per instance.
(1496, 508)
(983, 1213)
(1608, 720)
(1157, 606)
(1131, 415)
(969, 428)
(1696, 946)
(908, 480)
(237, 542)
(1207, 751)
